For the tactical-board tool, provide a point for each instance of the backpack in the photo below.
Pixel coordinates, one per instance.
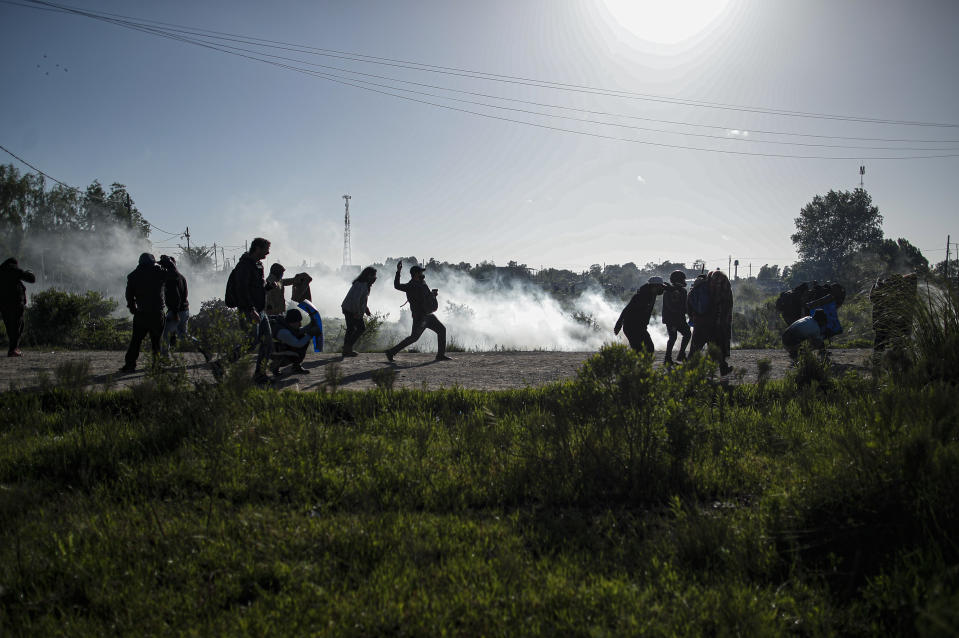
(698, 298)
(229, 297)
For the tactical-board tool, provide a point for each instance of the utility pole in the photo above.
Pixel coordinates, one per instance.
(347, 257)
(215, 264)
(862, 172)
(729, 268)
(736, 276)
(223, 255)
(948, 237)
(750, 270)
(187, 235)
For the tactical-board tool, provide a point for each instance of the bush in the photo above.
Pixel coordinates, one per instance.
(58, 318)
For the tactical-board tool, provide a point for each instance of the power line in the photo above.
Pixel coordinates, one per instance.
(123, 20)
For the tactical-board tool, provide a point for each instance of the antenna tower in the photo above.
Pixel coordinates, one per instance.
(347, 256)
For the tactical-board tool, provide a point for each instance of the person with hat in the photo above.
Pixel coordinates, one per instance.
(178, 308)
(13, 301)
(291, 342)
(634, 319)
(144, 294)
(674, 315)
(423, 304)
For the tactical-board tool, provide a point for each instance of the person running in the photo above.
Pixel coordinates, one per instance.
(355, 306)
(422, 305)
(144, 294)
(13, 301)
(291, 342)
(634, 319)
(674, 315)
(812, 329)
(275, 293)
(178, 308)
(249, 291)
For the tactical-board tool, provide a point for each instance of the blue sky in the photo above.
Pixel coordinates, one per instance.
(235, 148)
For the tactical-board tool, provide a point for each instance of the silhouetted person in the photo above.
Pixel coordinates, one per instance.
(674, 315)
(355, 306)
(301, 287)
(422, 306)
(144, 296)
(13, 301)
(177, 306)
(711, 310)
(811, 329)
(275, 294)
(634, 319)
(291, 342)
(250, 293)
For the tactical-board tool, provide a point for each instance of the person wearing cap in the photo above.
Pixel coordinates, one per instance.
(144, 294)
(275, 293)
(291, 342)
(634, 319)
(811, 329)
(178, 308)
(13, 301)
(423, 304)
(674, 315)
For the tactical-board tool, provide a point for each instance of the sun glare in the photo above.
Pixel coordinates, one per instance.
(667, 22)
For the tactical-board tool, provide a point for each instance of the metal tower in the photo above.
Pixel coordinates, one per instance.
(347, 256)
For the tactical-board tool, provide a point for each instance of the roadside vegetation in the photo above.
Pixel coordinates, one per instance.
(627, 501)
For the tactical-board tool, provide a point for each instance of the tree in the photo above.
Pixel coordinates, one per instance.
(767, 272)
(832, 228)
(197, 257)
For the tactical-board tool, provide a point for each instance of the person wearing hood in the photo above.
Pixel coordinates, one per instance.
(177, 307)
(355, 306)
(423, 304)
(674, 315)
(275, 293)
(144, 294)
(634, 319)
(13, 301)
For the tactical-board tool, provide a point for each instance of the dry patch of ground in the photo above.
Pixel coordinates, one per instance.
(472, 370)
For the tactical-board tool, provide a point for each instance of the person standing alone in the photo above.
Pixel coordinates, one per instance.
(422, 305)
(248, 293)
(13, 301)
(354, 307)
(144, 295)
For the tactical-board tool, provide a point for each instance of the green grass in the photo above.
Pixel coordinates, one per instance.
(629, 501)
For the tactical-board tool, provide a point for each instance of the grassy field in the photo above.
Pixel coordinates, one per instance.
(629, 501)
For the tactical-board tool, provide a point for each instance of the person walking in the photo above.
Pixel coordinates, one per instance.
(144, 294)
(355, 306)
(177, 307)
(634, 319)
(674, 315)
(249, 293)
(423, 304)
(275, 294)
(13, 301)
(710, 305)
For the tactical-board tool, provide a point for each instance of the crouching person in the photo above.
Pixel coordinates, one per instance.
(811, 329)
(290, 342)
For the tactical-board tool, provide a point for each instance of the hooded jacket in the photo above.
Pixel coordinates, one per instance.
(250, 288)
(12, 291)
(674, 304)
(421, 298)
(145, 286)
(636, 314)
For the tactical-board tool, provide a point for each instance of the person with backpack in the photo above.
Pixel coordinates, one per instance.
(423, 304)
(812, 329)
(246, 291)
(178, 308)
(13, 301)
(674, 315)
(710, 306)
(291, 342)
(354, 307)
(634, 319)
(144, 294)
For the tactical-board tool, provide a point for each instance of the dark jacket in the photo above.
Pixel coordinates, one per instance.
(12, 291)
(636, 314)
(421, 298)
(145, 289)
(674, 305)
(250, 286)
(175, 290)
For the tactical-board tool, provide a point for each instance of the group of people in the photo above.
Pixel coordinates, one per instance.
(708, 305)
(156, 296)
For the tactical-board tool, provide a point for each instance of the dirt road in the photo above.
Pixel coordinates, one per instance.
(475, 370)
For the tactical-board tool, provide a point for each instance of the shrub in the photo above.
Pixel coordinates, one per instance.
(58, 318)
